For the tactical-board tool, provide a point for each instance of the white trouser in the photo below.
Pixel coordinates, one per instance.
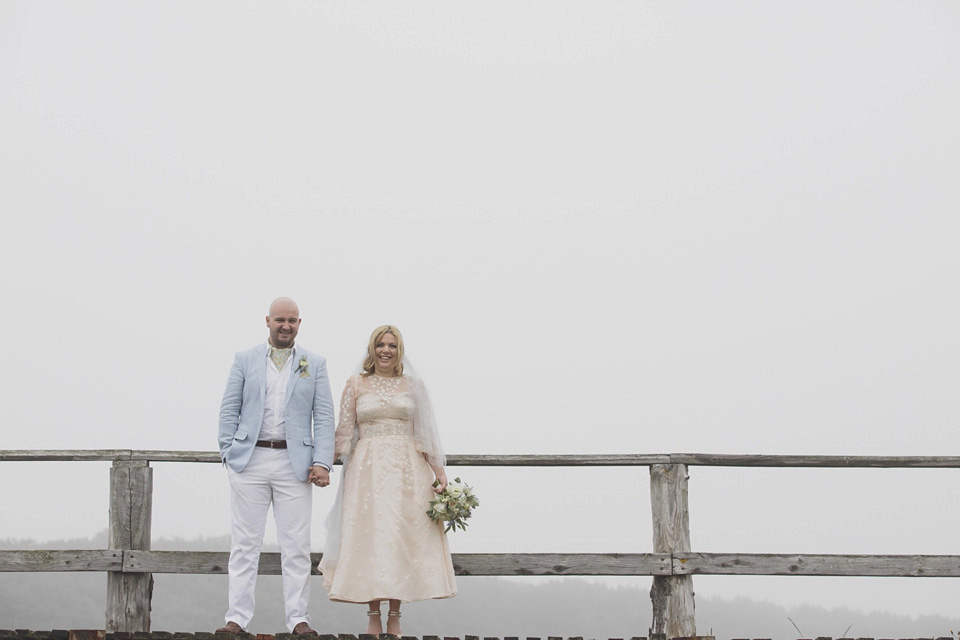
(269, 477)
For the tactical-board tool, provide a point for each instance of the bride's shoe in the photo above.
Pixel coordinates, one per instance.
(374, 626)
(393, 619)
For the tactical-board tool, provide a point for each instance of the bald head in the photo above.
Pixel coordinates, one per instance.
(283, 321)
(283, 302)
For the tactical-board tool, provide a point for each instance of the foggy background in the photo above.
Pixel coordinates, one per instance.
(603, 227)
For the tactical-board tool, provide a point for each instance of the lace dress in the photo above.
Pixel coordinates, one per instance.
(389, 547)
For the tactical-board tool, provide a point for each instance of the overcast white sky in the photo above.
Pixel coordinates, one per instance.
(603, 227)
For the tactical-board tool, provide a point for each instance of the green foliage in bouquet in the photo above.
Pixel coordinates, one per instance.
(453, 506)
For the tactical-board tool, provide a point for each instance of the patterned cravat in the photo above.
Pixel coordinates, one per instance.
(279, 356)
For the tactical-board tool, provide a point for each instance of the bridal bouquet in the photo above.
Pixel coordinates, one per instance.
(453, 506)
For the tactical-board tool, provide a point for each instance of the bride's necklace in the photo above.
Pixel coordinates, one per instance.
(386, 388)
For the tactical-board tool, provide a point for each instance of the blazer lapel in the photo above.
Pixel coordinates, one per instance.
(294, 376)
(261, 369)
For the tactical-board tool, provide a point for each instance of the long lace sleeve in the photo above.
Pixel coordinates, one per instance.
(347, 425)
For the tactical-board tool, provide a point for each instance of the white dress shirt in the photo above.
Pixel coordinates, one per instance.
(274, 402)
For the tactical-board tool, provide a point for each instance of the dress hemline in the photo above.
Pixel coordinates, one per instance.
(335, 598)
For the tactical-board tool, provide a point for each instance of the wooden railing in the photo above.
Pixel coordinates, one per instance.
(130, 563)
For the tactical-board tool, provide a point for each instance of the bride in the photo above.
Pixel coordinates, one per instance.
(381, 545)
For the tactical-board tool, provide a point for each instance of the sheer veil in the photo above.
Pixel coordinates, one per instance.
(425, 434)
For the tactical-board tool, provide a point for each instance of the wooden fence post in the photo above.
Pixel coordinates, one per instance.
(672, 596)
(131, 506)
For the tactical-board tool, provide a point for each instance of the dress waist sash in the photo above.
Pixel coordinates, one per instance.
(394, 429)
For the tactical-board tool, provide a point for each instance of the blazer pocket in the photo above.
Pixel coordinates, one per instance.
(307, 440)
(240, 435)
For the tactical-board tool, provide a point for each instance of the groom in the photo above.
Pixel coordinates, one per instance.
(276, 439)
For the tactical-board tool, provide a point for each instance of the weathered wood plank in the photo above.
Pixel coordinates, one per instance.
(198, 562)
(598, 460)
(672, 595)
(65, 455)
(141, 505)
(561, 564)
(764, 564)
(467, 460)
(43, 560)
(852, 462)
(158, 455)
(474, 564)
(119, 529)
(129, 601)
(131, 500)
(465, 564)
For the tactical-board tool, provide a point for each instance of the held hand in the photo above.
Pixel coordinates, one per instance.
(319, 476)
(441, 482)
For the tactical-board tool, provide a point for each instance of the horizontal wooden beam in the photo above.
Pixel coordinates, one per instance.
(157, 455)
(468, 460)
(850, 462)
(64, 455)
(44, 560)
(598, 460)
(515, 564)
(465, 564)
(197, 562)
(767, 564)
(562, 564)
(493, 460)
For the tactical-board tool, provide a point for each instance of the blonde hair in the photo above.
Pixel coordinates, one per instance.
(378, 333)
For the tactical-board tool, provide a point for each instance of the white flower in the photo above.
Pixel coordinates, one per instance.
(302, 366)
(454, 505)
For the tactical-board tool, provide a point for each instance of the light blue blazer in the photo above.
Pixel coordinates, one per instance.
(308, 415)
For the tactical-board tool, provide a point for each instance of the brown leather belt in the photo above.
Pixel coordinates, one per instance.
(272, 444)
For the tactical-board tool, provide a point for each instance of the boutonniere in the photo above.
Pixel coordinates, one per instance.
(302, 367)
